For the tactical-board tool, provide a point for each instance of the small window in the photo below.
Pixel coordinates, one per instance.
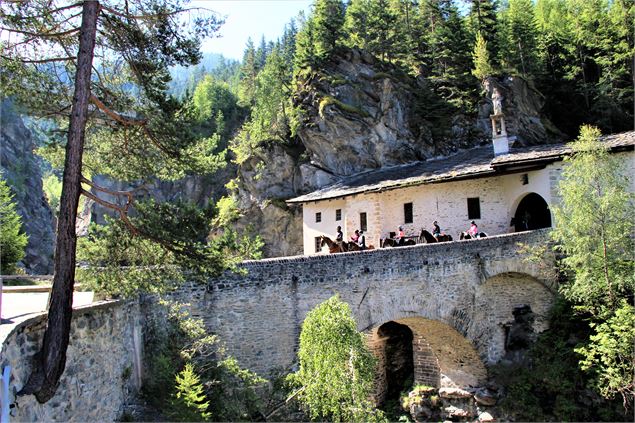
(473, 208)
(338, 214)
(407, 213)
(362, 222)
(318, 217)
(524, 179)
(318, 244)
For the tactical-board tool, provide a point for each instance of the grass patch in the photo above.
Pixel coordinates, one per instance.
(332, 101)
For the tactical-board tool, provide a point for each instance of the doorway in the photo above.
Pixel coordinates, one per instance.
(532, 213)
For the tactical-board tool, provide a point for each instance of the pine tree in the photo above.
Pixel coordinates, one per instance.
(140, 41)
(482, 64)
(12, 239)
(520, 38)
(328, 19)
(190, 403)
(482, 19)
(448, 57)
(305, 50)
(356, 24)
(248, 73)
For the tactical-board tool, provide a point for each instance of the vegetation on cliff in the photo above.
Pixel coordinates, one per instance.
(13, 240)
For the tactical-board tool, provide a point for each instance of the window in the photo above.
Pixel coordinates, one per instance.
(338, 214)
(318, 244)
(362, 222)
(407, 213)
(473, 208)
(318, 217)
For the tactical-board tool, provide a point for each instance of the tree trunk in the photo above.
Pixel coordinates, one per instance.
(49, 363)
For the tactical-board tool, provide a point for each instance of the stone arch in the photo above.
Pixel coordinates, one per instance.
(442, 357)
(532, 212)
(494, 304)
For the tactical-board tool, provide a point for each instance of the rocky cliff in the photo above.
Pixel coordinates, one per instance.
(22, 172)
(361, 114)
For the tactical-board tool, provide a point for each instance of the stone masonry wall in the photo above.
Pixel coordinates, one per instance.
(103, 364)
(259, 315)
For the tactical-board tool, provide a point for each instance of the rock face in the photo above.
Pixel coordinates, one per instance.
(522, 105)
(22, 172)
(360, 115)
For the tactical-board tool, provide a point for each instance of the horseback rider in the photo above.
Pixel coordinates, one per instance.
(399, 239)
(473, 231)
(361, 241)
(339, 239)
(436, 229)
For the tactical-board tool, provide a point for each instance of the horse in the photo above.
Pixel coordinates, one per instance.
(430, 239)
(465, 235)
(334, 247)
(353, 246)
(390, 242)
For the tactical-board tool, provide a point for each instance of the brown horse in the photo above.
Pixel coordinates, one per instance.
(334, 247)
(429, 238)
(353, 246)
(465, 235)
(390, 242)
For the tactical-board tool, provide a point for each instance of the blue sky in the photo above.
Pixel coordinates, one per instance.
(249, 18)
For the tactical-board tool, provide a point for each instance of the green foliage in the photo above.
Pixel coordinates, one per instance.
(518, 47)
(328, 18)
(189, 403)
(595, 223)
(482, 64)
(12, 239)
(226, 211)
(214, 104)
(52, 187)
(610, 355)
(553, 387)
(336, 371)
(271, 114)
(210, 383)
(328, 101)
(167, 241)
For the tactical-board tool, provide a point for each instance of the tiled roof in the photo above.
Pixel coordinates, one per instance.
(465, 164)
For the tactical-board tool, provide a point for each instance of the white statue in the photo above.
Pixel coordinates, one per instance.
(497, 102)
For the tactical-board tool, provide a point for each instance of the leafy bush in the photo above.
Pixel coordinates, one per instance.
(336, 374)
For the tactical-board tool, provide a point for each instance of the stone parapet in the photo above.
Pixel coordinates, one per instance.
(103, 364)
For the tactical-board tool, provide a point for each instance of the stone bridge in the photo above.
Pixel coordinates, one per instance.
(452, 302)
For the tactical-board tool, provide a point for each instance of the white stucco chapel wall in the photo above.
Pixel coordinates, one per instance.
(499, 197)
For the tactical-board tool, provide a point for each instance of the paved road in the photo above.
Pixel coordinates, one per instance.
(15, 305)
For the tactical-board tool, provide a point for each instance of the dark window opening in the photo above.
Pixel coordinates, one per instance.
(318, 217)
(362, 222)
(525, 179)
(318, 244)
(338, 214)
(473, 208)
(407, 213)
